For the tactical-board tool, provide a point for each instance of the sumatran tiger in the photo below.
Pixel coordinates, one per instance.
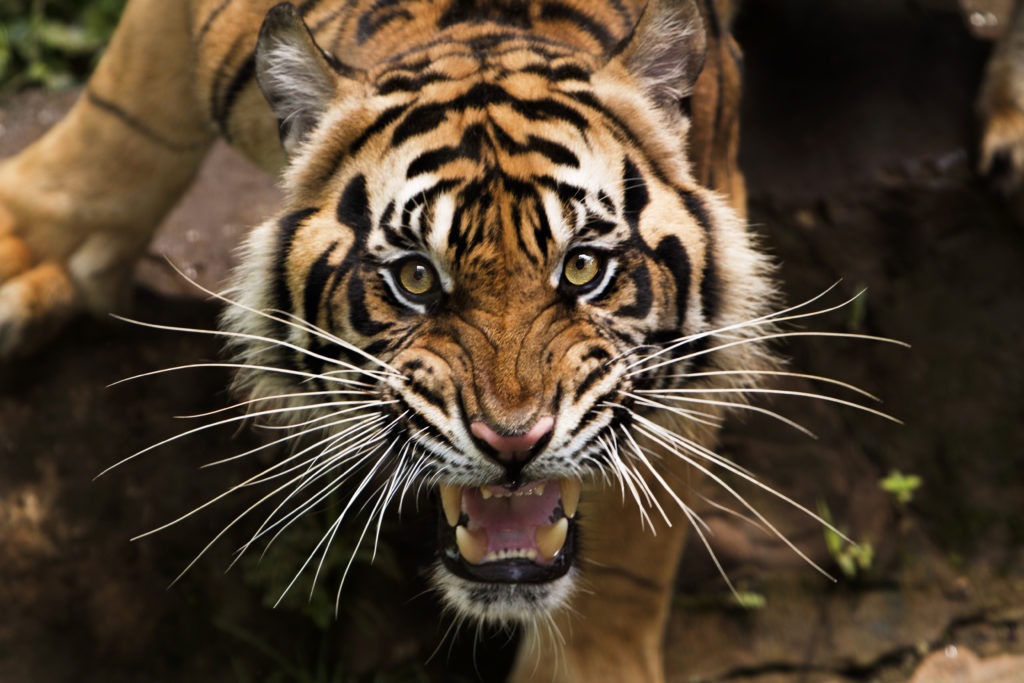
(511, 266)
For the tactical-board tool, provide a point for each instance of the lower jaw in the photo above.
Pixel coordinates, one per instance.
(510, 571)
(503, 603)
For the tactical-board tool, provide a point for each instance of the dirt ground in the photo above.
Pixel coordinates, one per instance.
(858, 147)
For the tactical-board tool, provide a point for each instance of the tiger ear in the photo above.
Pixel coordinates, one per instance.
(298, 78)
(666, 50)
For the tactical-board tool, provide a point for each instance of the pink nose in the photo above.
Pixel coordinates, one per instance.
(517, 447)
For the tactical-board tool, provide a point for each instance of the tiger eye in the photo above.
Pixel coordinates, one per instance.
(417, 277)
(581, 268)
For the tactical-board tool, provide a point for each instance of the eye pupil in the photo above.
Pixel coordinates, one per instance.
(417, 277)
(582, 268)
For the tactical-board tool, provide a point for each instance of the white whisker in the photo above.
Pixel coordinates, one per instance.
(740, 406)
(672, 394)
(311, 328)
(773, 373)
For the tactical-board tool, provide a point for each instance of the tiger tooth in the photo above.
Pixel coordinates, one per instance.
(570, 496)
(485, 493)
(539, 491)
(451, 502)
(550, 539)
(472, 544)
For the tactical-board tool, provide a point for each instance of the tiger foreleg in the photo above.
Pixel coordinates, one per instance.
(79, 205)
(613, 629)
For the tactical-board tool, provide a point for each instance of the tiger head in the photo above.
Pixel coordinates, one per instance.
(492, 247)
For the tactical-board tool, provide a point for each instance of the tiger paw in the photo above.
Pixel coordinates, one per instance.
(37, 298)
(41, 293)
(1001, 151)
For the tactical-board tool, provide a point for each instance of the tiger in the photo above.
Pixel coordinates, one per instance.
(511, 266)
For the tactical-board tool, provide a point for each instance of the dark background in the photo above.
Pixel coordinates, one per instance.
(858, 142)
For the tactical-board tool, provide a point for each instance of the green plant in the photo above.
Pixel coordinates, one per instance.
(901, 486)
(52, 43)
(751, 600)
(853, 559)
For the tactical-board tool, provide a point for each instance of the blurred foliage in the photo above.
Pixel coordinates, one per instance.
(853, 559)
(901, 486)
(52, 43)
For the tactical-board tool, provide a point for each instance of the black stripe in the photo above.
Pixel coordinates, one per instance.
(422, 119)
(709, 284)
(205, 28)
(426, 198)
(426, 117)
(242, 78)
(383, 120)
(382, 14)
(358, 314)
(316, 282)
(553, 151)
(671, 254)
(543, 109)
(557, 11)
(287, 227)
(644, 300)
(598, 353)
(469, 147)
(428, 162)
(308, 6)
(354, 207)
(407, 83)
(635, 197)
(429, 396)
(566, 72)
(140, 127)
(590, 380)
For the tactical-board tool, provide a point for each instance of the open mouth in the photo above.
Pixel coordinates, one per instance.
(498, 535)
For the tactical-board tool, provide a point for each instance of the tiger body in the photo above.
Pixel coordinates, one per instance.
(496, 220)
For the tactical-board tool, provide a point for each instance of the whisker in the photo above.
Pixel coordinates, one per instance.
(240, 418)
(673, 393)
(665, 437)
(322, 333)
(360, 420)
(359, 452)
(774, 373)
(773, 318)
(270, 342)
(242, 366)
(253, 480)
(693, 415)
(758, 340)
(739, 406)
(277, 397)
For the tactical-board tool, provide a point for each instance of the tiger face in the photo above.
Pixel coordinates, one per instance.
(492, 248)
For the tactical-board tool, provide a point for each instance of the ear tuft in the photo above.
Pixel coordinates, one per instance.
(667, 49)
(298, 79)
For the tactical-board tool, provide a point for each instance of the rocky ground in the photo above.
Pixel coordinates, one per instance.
(857, 145)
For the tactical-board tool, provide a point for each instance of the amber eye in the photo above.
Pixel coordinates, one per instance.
(582, 267)
(417, 277)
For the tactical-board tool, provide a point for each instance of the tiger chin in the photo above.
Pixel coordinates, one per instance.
(498, 273)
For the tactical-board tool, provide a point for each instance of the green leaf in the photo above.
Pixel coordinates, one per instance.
(902, 486)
